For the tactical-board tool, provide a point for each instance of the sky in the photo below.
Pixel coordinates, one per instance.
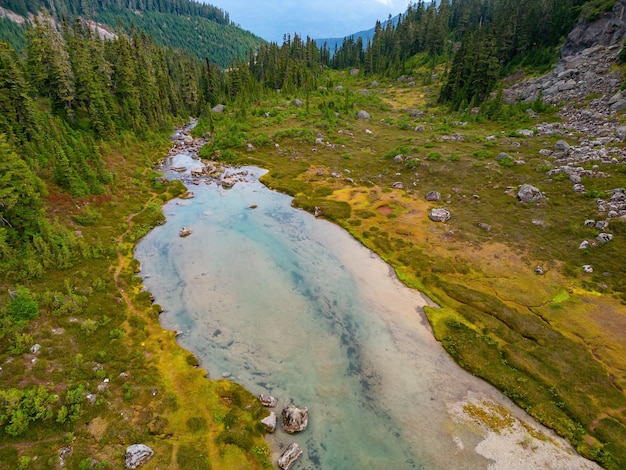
(271, 19)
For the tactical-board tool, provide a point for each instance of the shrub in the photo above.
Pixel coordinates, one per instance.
(23, 307)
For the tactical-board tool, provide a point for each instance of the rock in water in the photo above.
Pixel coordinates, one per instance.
(295, 419)
(267, 401)
(137, 455)
(270, 422)
(291, 454)
(184, 232)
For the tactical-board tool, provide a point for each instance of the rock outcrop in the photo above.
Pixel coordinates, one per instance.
(137, 455)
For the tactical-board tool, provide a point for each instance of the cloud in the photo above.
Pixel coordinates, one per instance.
(388, 3)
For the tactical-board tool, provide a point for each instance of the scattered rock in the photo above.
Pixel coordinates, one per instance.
(291, 454)
(363, 115)
(439, 215)
(604, 237)
(398, 159)
(354, 72)
(433, 196)
(185, 232)
(252, 206)
(539, 271)
(270, 422)
(267, 401)
(295, 419)
(137, 455)
(298, 103)
(397, 185)
(587, 268)
(529, 193)
(318, 211)
(35, 348)
(583, 245)
(218, 109)
(484, 226)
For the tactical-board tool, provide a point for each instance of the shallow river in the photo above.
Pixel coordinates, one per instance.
(290, 305)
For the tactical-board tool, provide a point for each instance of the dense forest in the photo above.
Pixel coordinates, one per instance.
(67, 95)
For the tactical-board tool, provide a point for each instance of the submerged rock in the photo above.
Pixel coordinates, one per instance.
(291, 454)
(295, 419)
(137, 455)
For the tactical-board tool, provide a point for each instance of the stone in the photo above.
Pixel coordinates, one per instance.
(439, 215)
(590, 223)
(561, 146)
(398, 159)
(187, 195)
(297, 103)
(270, 422)
(267, 401)
(588, 269)
(397, 185)
(354, 72)
(529, 193)
(539, 271)
(618, 106)
(295, 419)
(363, 115)
(368, 132)
(484, 226)
(433, 196)
(35, 348)
(218, 109)
(583, 245)
(604, 237)
(318, 211)
(137, 455)
(291, 454)
(374, 84)
(185, 232)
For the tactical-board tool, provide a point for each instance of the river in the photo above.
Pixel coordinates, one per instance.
(290, 305)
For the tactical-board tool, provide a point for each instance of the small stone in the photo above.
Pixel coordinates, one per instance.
(433, 196)
(484, 226)
(185, 232)
(539, 270)
(35, 348)
(297, 103)
(587, 268)
(605, 237)
(397, 185)
(363, 115)
(562, 146)
(584, 245)
(590, 223)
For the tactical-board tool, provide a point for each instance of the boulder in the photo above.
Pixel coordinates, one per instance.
(539, 271)
(291, 454)
(354, 72)
(398, 159)
(298, 103)
(583, 245)
(604, 237)
(433, 196)
(185, 232)
(267, 401)
(295, 419)
(137, 455)
(363, 115)
(397, 185)
(439, 215)
(35, 348)
(218, 109)
(270, 422)
(529, 193)
(561, 146)
(588, 269)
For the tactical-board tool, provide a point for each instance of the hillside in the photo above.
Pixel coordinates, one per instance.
(515, 135)
(200, 29)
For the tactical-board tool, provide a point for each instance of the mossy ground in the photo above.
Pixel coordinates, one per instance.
(96, 323)
(553, 343)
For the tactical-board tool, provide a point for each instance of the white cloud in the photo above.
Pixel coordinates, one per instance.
(388, 3)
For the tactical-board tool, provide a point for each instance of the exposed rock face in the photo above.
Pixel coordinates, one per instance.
(607, 30)
(439, 215)
(291, 454)
(529, 193)
(137, 455)
(295, 419)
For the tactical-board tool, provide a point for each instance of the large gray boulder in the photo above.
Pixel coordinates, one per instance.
(137, 455)
(291, 454)
(439, 215)
(295, 419)
(529, 193)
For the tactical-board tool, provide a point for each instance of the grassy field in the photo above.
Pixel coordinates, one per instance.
(552, 342)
